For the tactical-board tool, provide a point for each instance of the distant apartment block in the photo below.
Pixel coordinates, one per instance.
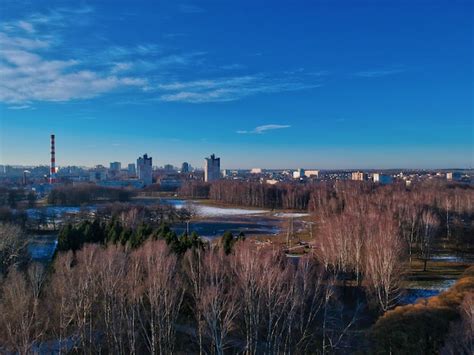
(144, 169)
(311, 173)
(132, 171)
(185, 168)
(99, 173)
(272, 182)
(359, 176)
(298, 174)
(212, 168)
(115, 166)
(382, 179)
(453, 176)
(256, 171)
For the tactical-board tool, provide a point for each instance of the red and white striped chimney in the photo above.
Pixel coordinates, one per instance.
(52, 173)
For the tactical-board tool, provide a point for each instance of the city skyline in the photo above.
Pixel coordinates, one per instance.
(315, 85)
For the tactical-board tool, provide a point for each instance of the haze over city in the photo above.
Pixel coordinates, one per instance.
(308, 84)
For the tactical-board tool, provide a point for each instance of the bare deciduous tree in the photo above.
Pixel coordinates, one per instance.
(218, 300)
(163, 293)
(267, 291)
(429, 225)
(383, 261)
(111, 272)
(20, 321)
(13, 243)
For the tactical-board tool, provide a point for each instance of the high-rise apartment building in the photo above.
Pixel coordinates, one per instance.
(212, 169)
(144, 169)
(185, 168)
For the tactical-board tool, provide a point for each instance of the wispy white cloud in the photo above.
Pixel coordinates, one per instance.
(28, 74)
(140, 49)
(208, 83)
(233, 66)
(26, 26)
(378, 73)
(230, 89)
(264, 128)
(146, 57)
(9, 41)
(55, 17)
(121, 67)
(174, 35)
(190, 9)
(19, 107)
(33, 67)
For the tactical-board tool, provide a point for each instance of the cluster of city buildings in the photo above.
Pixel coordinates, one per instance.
(143, 174)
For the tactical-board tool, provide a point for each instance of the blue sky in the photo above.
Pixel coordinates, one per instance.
(314, 84)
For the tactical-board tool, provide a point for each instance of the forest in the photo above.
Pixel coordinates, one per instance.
(122, 282)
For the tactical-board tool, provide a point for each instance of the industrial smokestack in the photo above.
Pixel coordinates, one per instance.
(52, 174)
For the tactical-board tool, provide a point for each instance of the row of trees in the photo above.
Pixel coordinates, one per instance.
(370, 250)
(131, 215)
(251, 194)
(13, 247)
(113, 231)
(11, 197)
(452, 203)
(367, 250)
(148, 300)
(86, 193)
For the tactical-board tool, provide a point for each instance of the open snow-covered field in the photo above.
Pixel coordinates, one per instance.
(211, 211)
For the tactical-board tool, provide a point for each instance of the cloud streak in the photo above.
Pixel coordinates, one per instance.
(378, 73)
(264, 128)
(28, 74)
(33, 67)
(190, 9)
(230, 88)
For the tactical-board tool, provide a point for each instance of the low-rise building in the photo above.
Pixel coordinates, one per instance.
(132, 171)
(453, 176)
(115, 166)
(382, 179)
(359, 176)
(311, 173)
(298, 174)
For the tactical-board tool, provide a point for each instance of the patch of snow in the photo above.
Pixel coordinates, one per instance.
(208, 211)
(290, 215)
(211, 211)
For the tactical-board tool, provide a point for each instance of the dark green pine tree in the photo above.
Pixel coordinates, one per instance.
(114, 232)
(228, 242)
(64, 237)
